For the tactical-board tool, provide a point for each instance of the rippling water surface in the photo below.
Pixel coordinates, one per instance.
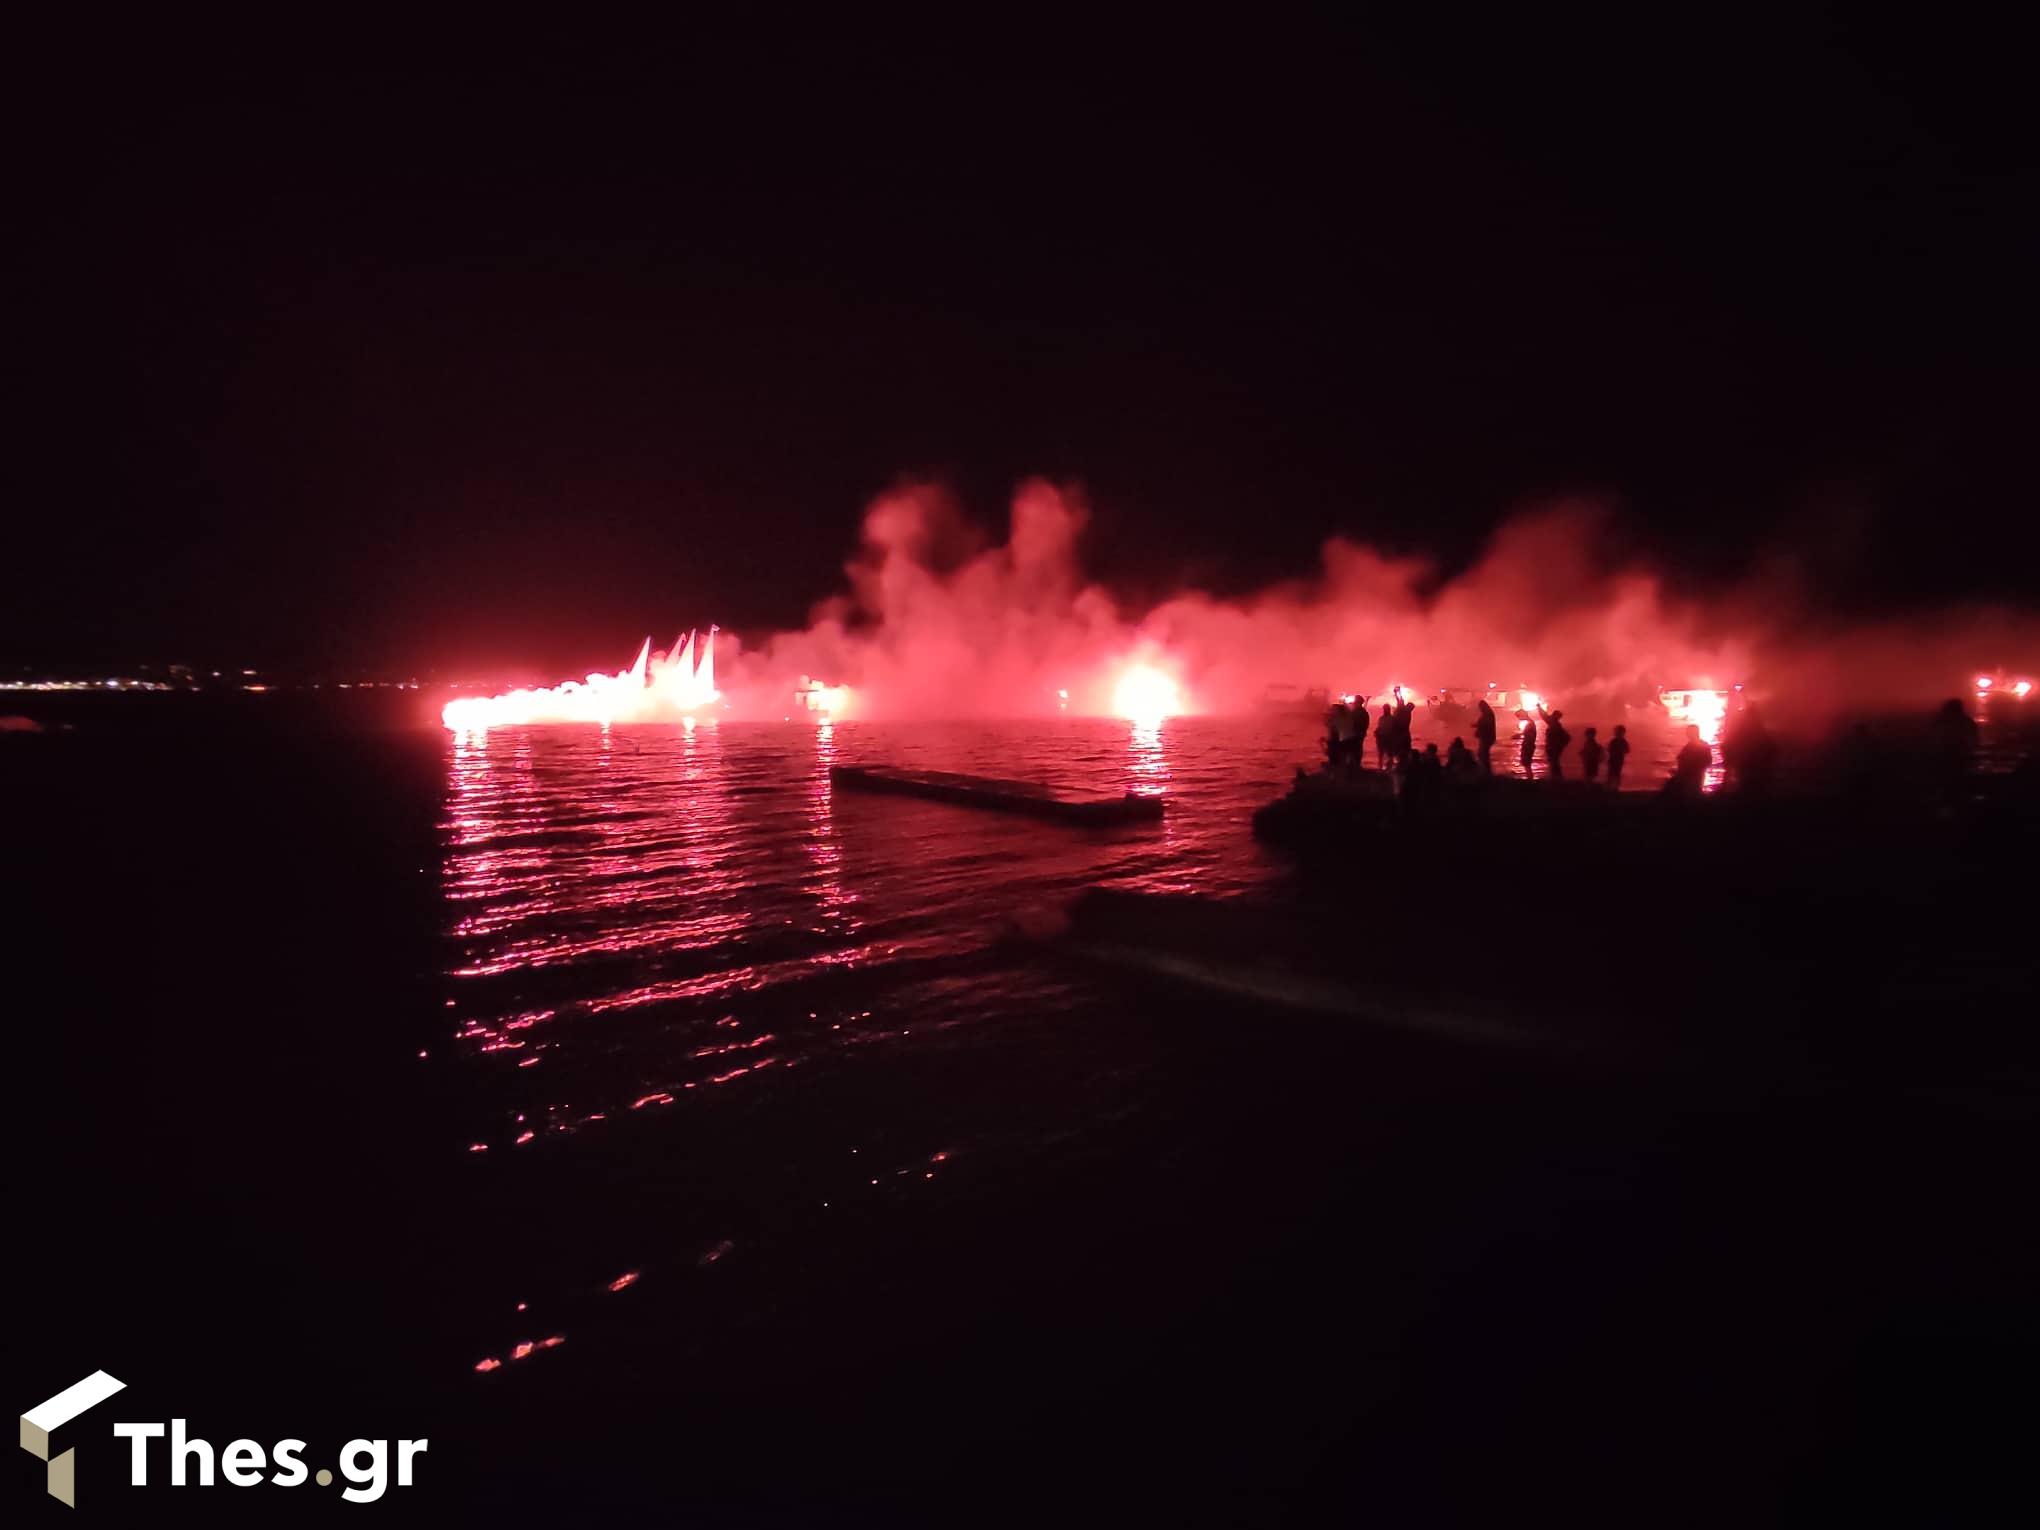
(710, 1013)
(637, 913)
(644, 1106)
(634, 913)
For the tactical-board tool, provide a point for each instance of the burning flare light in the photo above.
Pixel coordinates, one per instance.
(674, 685)
(823, 702)
(1704, 709)
(938, 618)
(1146, 695)
(1986, 687)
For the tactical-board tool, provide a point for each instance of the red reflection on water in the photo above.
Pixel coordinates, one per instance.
(747, 979)
(1147, 761)
(733, 1046)
(756, 1067)
(824, 853)
(634, 858)
(561, 852)
(612, 899)
(624, 1281)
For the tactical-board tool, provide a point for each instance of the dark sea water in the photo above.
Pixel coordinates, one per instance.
(661, 1130)
(610, 895)
(636, 912)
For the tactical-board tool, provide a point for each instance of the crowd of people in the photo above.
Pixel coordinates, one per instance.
(1749, 752)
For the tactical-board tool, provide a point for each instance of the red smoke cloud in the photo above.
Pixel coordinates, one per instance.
(937, 623)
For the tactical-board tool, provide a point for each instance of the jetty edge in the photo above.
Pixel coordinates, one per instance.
(992, 794)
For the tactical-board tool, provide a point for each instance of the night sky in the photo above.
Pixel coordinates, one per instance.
(326, 357)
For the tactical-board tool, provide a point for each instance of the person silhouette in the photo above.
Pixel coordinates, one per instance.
(1405, 715)
(1689, 769)
(1556, 738)
(1423, 777)
(1484, 734)
(1618, 756)
(1955, 736)
(1526, 742)
(1755, 761)
(1591, 755)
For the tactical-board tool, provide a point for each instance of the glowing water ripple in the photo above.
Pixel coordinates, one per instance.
(628, 908)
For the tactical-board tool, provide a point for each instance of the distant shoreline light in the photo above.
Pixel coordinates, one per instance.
(88, 685)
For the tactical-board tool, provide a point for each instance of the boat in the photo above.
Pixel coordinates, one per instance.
(1518, 701)
(1705, 707)
(1330, 817)
(1677, 699)
(819, 699)
(1294, 701)
(1453, 705)
(1029, 797)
